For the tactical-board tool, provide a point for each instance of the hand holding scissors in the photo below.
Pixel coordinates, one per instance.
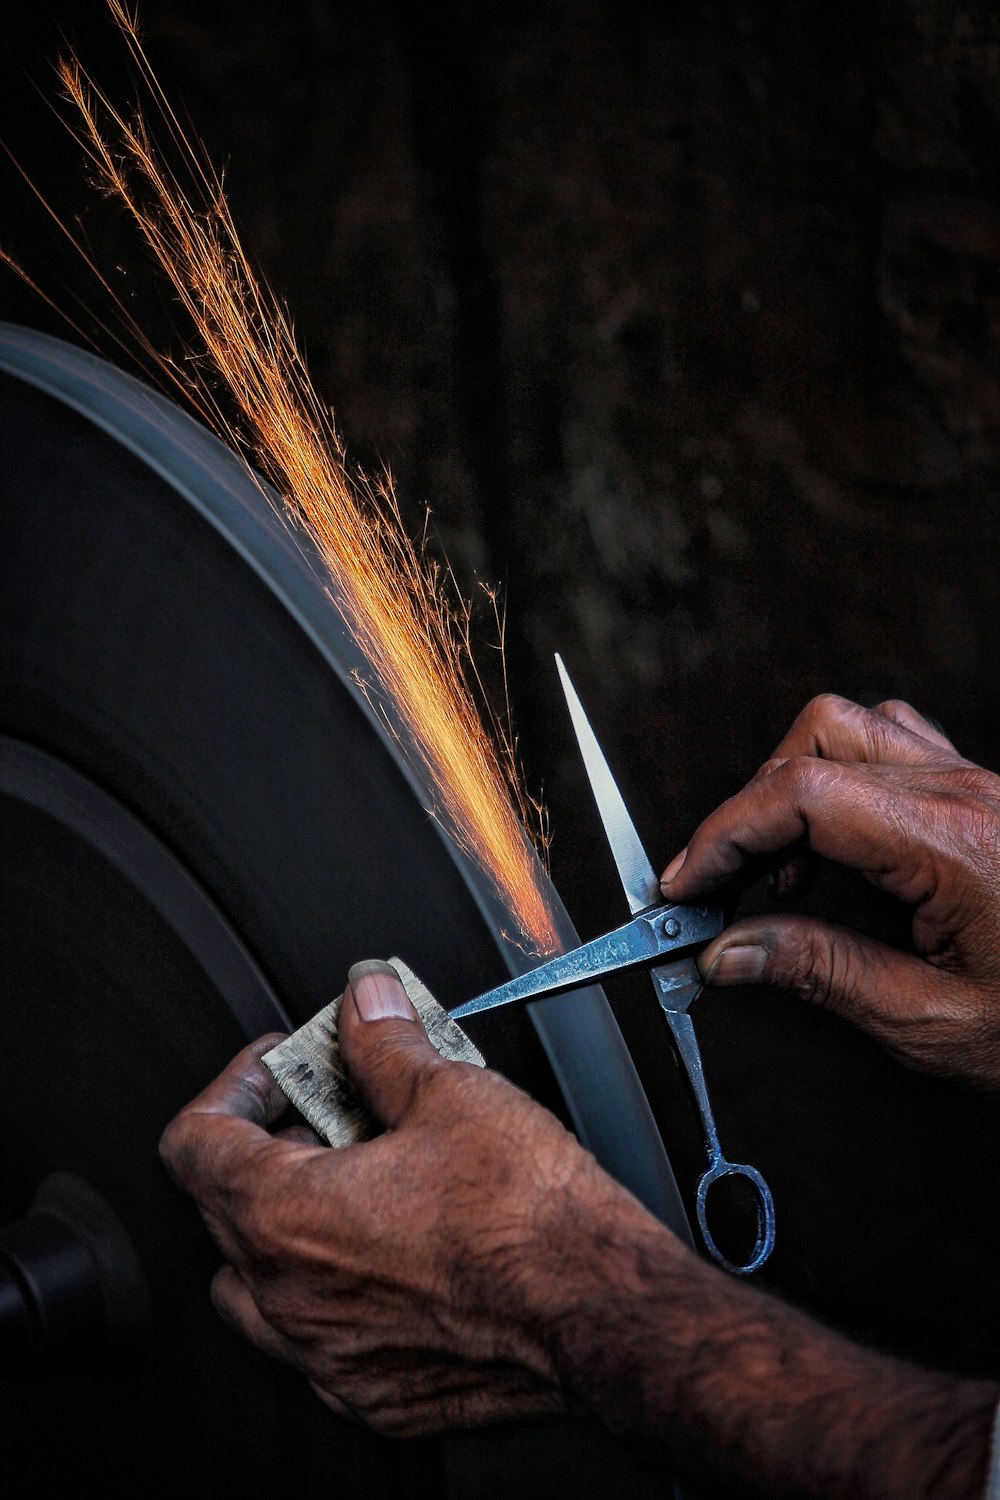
(662, 938)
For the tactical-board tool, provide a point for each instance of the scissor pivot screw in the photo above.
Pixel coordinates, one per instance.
(671, 927)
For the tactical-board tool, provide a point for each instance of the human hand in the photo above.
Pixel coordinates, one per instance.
(474, 1264)
(884, 792)
(415, 1279)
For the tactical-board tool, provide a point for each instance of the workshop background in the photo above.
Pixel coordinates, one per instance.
(683, 319)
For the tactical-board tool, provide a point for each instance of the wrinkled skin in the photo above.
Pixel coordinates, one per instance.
(473, 1264)
(884, 792)
(406, 1277)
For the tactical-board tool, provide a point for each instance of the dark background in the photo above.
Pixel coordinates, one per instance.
(684, 320)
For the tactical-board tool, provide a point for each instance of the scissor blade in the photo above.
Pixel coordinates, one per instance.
(677, 985)
(645, 939)
(634, 869)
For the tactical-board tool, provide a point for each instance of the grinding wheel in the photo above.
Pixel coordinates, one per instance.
(203, 826)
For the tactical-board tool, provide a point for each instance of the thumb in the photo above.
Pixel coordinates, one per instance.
(383, 1043)
(867, 982)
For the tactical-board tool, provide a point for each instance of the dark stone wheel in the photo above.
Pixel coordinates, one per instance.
(202, 826)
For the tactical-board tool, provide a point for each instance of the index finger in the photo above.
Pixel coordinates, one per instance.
(846, 813)
(228, 1121)
(894, 733)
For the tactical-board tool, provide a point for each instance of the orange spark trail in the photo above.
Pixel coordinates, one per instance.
(393, 598)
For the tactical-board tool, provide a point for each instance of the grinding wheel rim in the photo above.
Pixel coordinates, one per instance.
(192, 527)
(579, 1034)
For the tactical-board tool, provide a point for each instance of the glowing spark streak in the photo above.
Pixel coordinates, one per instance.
(393, 599)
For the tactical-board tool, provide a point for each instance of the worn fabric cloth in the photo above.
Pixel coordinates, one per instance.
(306, 1066)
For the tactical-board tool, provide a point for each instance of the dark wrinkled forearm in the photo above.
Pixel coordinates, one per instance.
(740, 1393)
(473, 1265)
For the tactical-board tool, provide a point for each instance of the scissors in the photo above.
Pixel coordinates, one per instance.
(662, 938)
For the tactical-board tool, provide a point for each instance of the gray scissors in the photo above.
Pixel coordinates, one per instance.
(664, 939)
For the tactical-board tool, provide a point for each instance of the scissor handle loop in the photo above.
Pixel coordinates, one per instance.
(765, 1215)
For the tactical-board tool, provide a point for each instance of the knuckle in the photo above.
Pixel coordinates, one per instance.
(460, 1091)
(826, 709)
(980, 834)
(904, 714)
(838, 724)
(178, 1148)
(170, 1142)
(897, 709)
(824, 971)
(769, 767)
(977, 786)
(810, 972)
(430, 1083)
(980, 818)
(267, 1236)
(396, 1050)
(972, 814)
(833, 705)
(800, 774)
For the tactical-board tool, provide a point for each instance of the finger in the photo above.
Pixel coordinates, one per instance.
(232, 1115)
(834, 728)
(865, 981)
(917, 723)
(848, 813)
(233, 1301)
(383, 1042)
(245, 1088)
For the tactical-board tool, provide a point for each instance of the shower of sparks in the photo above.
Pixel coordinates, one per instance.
(395, 600)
